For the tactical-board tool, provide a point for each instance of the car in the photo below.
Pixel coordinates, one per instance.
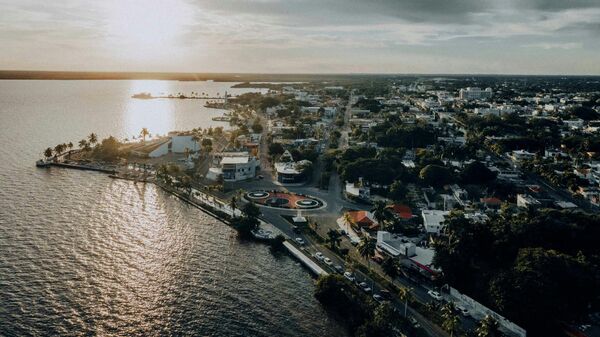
(378, 298)
(377, 259)
(328, 261)
(295, 229)
(300, 241)
(260, 177)
(365, 287)
(462, 310)
(385, 294)
(414, 322)
(348, 275)
(339, 268)
(435, 295)
(319, 256)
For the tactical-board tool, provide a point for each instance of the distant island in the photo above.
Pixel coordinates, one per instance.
(179, 95)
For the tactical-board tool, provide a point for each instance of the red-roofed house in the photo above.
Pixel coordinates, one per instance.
(401, 211)
(363, 219)
(491, 202)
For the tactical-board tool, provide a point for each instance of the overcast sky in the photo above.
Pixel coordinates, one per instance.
(306, 36)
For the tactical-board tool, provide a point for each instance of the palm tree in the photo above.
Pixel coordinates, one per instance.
(48, 153)
(58, 149)
(405, 294)
(93, 138)
(450, 318)
(144, 133)
(390, 267)
(366, 249)
(82, 143)
(196, 138)
(233, 204)
(70, 146)
(381, 213)
(347, 219)
(334, 238)
(488, 327)
(186, 153)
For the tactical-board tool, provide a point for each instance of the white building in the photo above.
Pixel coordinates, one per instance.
(433, 220)
(175, 144)
(526, 201)
(471, 93)
(413, 256)
(234, 166)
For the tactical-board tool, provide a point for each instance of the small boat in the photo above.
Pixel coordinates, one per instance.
(42, 163)
(262, 234)
(221, 119)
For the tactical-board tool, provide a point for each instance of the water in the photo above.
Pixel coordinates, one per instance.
(82, 254)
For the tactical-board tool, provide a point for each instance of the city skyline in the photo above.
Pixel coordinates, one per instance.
(273, 36)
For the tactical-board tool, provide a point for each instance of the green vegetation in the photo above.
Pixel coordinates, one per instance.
(537, 269)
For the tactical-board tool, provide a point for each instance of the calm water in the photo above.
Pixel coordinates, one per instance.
(81, 254)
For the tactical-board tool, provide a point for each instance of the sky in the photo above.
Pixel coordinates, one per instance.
(303, 36)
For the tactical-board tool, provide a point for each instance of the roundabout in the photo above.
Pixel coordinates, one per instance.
(284, 200)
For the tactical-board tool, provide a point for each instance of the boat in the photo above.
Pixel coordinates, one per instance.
(42, 163)
(221, 119)
(262, 234)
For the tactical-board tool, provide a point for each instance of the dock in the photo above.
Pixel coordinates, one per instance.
(78, 167)
(305, 260)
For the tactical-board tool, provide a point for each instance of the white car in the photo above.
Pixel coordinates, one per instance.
(348, 275)
(300, 241)
(319, 256)
(435, 295)
(378, 298)
(327, 261)
(365, 287)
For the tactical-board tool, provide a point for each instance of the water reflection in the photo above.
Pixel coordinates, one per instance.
(157, 115)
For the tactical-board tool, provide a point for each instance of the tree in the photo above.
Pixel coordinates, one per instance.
(488, 327)
(251, 210)
(59, 149)
(436, 175)
(92, 138)
(187, 152)
(233, 204)
(397, 191)
(405, 294)
(381, 213)
(70, 146)
(477, 173)
(390, 267)
(83, 144)
(450, 319)
(276, 149)
(257, 127)
(196, 138)
(144, 133)
(48, 153)
(366, 248)
(334, 238)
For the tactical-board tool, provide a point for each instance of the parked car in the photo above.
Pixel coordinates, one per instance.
(414, 322)
(385, 294)
(378, 298)
(348, 275)
(260, 177)
(327, 261)
(300, 241)
(365, 287)
(435, 295)
(319, 256)
(339, 268)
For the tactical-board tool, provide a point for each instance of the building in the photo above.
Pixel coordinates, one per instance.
(234, 166)
(519, 156)
(527, 201)
(356, 190)
(291, 172)
(410, 255)
(472, 93)
(363, 220)
(433, 220)
(174, 143)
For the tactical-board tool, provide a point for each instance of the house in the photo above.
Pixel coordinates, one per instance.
(410, 255)
(519, 156)
(234, 166)
(363, 219)
(357, 190)
(527, 201)
(491, 203)
(433, 220)
(401, 211)
(591, 194)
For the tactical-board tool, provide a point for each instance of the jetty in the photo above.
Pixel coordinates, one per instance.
(305, 260)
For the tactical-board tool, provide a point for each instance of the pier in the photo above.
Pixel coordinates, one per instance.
(305, 260)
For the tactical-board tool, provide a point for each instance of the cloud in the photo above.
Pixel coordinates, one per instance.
(550, 45)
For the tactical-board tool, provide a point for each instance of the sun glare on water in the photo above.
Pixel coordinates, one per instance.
(148, 29)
